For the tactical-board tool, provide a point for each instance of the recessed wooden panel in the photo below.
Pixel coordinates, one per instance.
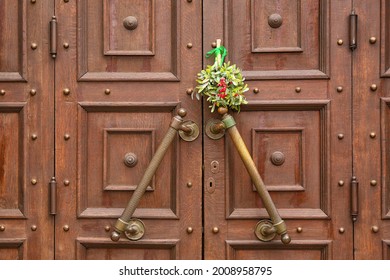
(13, 40)
(107, 51)
(385, 134)
(286, 37)
(295, 50)
(121, 41)
(299, 186)
(103, 249)
(385, 39)
(386, 249)
(11, 249)
(280, 151)
(118, 142)
(106, 133)
(11, 160)
(299, 250)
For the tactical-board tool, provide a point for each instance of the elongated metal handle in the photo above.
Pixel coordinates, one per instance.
(278, 224)
(122, 224)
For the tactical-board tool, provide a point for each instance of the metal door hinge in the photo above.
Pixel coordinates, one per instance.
(53, 37)
(354, 198)
(353, 22)
(53, 196)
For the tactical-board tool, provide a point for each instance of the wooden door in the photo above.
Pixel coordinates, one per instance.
(116, 92)
(296, 60)
(26, 127)
(371, 108)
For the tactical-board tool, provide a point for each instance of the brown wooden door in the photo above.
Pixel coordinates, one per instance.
(26, 130)
(371, 108)
(116, 92)
(112, 91)
(299, 109)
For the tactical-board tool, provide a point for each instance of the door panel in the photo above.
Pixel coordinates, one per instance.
(371, 131)
(26, 125)
(295, 126)
(116, 92)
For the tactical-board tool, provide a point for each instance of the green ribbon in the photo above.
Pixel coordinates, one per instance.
(219, 52)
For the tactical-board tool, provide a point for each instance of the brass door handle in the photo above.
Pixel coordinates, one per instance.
(264, 230)
(134, 228)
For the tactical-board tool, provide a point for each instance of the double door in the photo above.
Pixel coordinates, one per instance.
(85, 125)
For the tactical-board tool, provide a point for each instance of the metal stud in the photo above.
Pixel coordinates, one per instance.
(107, 228)
(66, 137)
(107, 91)
(341, 230)
(215, 230)
(34, 181)
(2, 92)
(299, 229)
(256, 90)
(66, 91)
(372, 135)
(189, 184)
(33, 1)
(375, 229)
(341, 183)
(340, 136)
(373, 87)
(33, 227)
(189, 91)
(66, 182)
(298, 89)
(372, 40)
(33, 91)
(65, 228)
(34, 137)
(340, 42)
(213, 44)
(66, 45)
(2, 228)
(373, 183)
(189, 46)
(189, 1)
(339, 89)
(34, 46)
(66, 1)
(190, 230)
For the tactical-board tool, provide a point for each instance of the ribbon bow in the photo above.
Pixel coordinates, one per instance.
(220, 54)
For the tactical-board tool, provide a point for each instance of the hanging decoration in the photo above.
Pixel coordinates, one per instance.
(222, 83)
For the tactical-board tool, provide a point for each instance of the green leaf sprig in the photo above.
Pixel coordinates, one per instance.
(222, 84)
